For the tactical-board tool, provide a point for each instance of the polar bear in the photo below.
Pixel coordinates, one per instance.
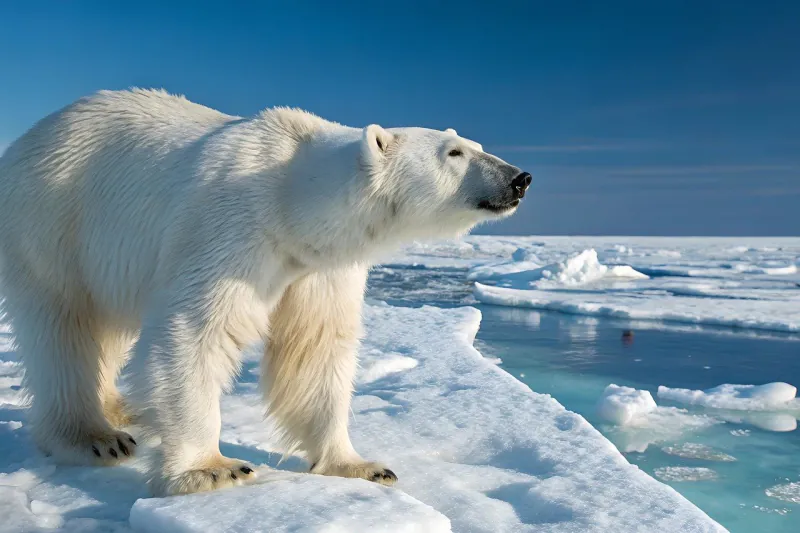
(137, 222)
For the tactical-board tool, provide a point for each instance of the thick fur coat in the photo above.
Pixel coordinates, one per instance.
(139, 225)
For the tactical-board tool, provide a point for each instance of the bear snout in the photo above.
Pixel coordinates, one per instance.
(520, 184)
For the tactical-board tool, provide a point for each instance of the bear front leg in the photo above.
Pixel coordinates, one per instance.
(310, 361)
(183, 362)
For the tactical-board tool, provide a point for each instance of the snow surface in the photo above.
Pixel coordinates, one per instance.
(297, 504)
(470, 444)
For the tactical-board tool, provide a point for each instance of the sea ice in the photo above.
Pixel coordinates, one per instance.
(620, 405)
(467, 440)
(769, 397)
(685, 473)
(788, 492)
(639, 422)
(691, 450)
(576, 270)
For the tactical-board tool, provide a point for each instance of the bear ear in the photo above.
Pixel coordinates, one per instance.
(376, 141)
(451, 130)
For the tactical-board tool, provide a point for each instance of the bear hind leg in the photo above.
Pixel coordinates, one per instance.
(63, 376)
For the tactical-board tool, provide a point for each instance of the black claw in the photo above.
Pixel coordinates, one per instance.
(312, 467)
(233, 476)
(123, 448)
(246, 469)
(388, 474)
(213, 477)
(133, 441)
(96, 451)
(113, 452)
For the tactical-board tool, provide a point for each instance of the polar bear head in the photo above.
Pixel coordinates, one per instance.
(352, 193)
(438, 183)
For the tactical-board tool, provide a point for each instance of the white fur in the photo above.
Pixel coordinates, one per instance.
(138, 214)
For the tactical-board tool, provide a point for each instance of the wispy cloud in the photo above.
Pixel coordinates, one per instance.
(698, 169)
(580, 146)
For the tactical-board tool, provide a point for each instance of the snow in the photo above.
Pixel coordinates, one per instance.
(298, 503)
(470, 444)
(769, 397)
(620, 405)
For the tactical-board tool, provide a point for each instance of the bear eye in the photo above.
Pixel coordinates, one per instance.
(455, 152)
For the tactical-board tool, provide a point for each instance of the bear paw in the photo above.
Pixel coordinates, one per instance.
(112, 447)
(375, 472)
(217, 473)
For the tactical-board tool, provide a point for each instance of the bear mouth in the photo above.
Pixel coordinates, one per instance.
(497, 208)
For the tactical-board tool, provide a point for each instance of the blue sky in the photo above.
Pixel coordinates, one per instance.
(665, 118)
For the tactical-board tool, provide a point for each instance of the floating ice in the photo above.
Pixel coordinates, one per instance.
(640, 422)
(620, 405)
(769, 397)
(788, 492)
(690, 450)
(684, 473)
(574, 271)
(764, 314)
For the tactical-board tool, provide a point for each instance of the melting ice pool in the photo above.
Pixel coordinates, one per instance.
(739, 472)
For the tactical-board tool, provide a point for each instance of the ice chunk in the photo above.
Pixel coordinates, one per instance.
(300, 503)
(788, 492)
(574, 271)
(640, 422)
(620, 405)
(690, 450)
(772, 396)
(685, 473)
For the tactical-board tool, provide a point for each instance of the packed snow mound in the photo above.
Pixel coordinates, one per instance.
(769, 397)
(620, 405)
(465, 438)
(574, 271)
(300, 503)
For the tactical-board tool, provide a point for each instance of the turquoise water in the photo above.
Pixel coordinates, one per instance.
(574, 358)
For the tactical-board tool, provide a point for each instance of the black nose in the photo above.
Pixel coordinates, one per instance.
(521, 183)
